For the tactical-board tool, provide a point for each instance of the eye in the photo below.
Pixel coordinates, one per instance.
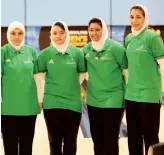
(138, 17)
(98, 30)
(20, 33)
(62, 32)
(13, 33)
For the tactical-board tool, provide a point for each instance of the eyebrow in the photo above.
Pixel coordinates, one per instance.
(136, 15)
(59, 31)
(95, 28)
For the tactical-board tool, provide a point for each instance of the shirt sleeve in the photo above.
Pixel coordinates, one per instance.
(121, 58)
(157, 47)
(126, 42)
(161, 66)
(81, 67)
(2, 60)
(35, 56)
(41, 62)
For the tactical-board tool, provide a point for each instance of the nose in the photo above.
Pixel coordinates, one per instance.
(94, 32)
(134, 20)
(58, 35)
(17, 36)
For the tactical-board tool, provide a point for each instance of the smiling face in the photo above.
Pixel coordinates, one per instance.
(137, 18)
(58, 35)
(95, 31)
(16, 36)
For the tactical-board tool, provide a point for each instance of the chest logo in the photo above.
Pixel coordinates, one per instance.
(7, 60)
(106, 57)
(51, 62)
(141, 48)
(71, 61)
(87, 55)
(28, 62)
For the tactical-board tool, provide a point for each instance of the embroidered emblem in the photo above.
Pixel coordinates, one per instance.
(51, 62)
(87, 55)
(8, 60)
(71, 61)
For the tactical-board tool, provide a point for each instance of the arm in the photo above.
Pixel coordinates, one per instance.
(81, 67)
(40, 78)
(2, 60)
(2, 67)
(40, 82)
(82, 77)
(161, 65)
(120, 56)
(125, 73)
(157, 47)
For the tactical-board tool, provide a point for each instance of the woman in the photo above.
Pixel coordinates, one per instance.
(145, 53)
(105, 89)
(62, 96)
(19, 94)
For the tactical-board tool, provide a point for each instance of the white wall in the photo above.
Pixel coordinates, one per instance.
(12, 10)
(121, 9)
(74, 12)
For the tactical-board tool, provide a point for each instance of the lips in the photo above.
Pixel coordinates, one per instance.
(17, 41)
(94, 37)
(135, 25)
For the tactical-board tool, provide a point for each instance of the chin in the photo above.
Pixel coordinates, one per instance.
(136, 29)
(95, 39)
(17, 44)
(59, 43)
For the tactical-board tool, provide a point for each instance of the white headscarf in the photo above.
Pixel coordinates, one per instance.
(63, 47)
(11, 27)
(98, 45)
(146, 22)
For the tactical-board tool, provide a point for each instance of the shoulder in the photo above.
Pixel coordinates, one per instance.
(128, 38)
(4, 48)
(150, 34)
(114, 45)
(87, 47)
(74, 50)
(151, 37)
(30, 48)
(45, 51)
(30, 51)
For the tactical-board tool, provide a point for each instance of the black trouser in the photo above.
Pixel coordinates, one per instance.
(62, 125)
(142, 124)
(18, 130)
(105, 127)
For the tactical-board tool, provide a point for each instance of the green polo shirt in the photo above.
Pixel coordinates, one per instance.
(19, 93)
(62, 87)
(106, 83)
(144, 83)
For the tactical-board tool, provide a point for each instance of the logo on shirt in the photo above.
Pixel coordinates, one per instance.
(28, 62)
(87, 55)
(141, 48)
(106, 57)
(8, 60)
(71, 61)
(51, 62)
(96, 58)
